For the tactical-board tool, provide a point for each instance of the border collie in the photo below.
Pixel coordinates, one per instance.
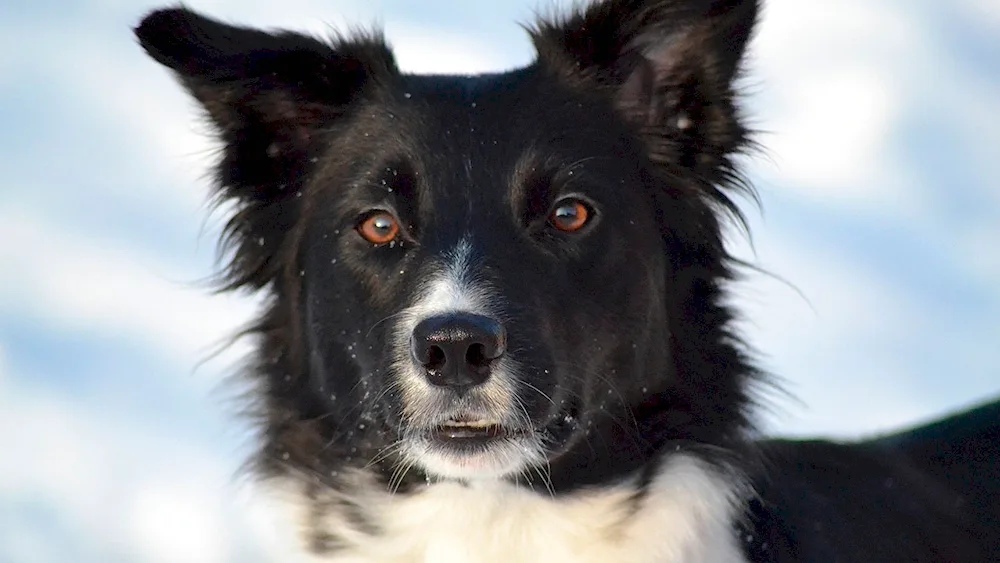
(497, 327)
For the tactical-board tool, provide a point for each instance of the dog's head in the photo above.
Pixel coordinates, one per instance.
(480, 277)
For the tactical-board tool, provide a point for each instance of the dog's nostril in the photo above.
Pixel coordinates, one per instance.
(435, 358)
(476, 355)
(457, 349)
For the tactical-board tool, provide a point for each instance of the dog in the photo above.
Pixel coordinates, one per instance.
(496, 326)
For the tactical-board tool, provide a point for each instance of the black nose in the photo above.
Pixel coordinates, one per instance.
(456, 349)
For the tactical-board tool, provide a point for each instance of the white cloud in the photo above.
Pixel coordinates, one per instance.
(56, 458)
(428, 51)
(860, 350)
(827, 87)
(118, 487)
(977, 254)
(148, 122)
(837, 83)
(832, 345)
(833, 132)
(27, 543)
(178, 524)
(833, 85)
(104, 286)
(981, 12)
(967, 102)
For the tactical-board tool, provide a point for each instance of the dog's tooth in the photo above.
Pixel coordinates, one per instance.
(472, 424)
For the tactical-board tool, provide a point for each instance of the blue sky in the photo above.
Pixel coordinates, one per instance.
(881, 206)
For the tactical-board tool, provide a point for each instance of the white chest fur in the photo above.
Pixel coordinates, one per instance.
(685, 517)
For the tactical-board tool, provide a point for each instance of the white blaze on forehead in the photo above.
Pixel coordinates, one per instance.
(452, 288)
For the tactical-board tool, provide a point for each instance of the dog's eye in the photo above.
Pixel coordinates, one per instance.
(379, 228)
(570, 215)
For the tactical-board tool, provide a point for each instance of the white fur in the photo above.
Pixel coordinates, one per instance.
(499, 460)
(686, 517)
(450, 289)
(454, 287)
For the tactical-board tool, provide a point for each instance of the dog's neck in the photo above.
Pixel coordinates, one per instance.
(685, 514)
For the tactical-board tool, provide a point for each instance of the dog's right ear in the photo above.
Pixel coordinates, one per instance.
(267, 94)
(270, 96)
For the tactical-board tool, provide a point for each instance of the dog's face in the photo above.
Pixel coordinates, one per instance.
(480, 277)
(465, 263)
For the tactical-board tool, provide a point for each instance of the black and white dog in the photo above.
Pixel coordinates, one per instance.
(497, 327)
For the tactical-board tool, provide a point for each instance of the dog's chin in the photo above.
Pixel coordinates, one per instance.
(474, 439)
(469, 452)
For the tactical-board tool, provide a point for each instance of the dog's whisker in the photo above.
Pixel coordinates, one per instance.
(384, 453)
(545, 475)
(540, 392)
(389, 317)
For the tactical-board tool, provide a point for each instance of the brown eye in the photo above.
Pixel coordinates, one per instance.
(570, 216)
(379, 228)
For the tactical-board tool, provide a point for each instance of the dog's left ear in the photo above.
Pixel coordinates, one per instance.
(669, 65)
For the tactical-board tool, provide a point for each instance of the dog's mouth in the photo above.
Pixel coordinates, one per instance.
(472, 431)
(478, 443)
(468, 430)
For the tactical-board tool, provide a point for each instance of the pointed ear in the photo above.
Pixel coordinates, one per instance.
(267, 94)
(271, 97)
(669, 66)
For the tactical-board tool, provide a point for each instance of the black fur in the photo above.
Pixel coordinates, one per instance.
(928, 494)
(624, 326)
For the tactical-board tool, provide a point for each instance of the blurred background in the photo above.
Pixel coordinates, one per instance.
(881, 206)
